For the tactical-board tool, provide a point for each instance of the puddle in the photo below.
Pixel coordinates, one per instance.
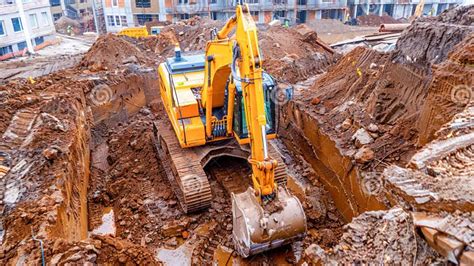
(12, 194)
(108, 223)
(180, 256)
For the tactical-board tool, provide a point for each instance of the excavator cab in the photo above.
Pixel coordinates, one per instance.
(240, 124)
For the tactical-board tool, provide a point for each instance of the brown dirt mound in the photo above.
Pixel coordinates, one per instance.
(429, 40)
(450, 91)
(374, 20)
(291, 56)
(110, 52)
(368, 87)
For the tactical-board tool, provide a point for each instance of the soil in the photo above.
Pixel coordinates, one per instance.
(374, 20)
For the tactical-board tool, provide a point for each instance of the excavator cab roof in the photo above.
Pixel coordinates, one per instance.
(182, 64)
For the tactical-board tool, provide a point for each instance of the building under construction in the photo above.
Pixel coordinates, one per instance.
(122, 14)
(317, 143)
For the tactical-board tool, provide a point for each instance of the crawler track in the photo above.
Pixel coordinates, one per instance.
(183, 169)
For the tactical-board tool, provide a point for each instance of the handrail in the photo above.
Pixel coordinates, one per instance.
(173, 88)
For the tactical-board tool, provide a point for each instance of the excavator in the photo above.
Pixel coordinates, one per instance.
(221, 103)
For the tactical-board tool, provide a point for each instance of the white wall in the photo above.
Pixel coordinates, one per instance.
(117, 11)
(45, 26)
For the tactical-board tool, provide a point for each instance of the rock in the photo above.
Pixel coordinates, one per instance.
(133, 143)
(172, 242)
(346, 124)
(130, 59)
(315, 101)
(56, 258)
(364, 155)
(145, 111)
(362, 137)
(50, 153)
(77, 256)
(276, 45)
(148, 239)
(172, 229)
(322, 110)
(314, 254)
(373, 128)
(58, 244)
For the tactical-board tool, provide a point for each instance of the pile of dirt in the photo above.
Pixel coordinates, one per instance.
(290, 56)
(332, 30)
(366, 87)
(429, 39)
(292, 61)
(450, 92)
(375, 21)
(111, 52)
(378, 237)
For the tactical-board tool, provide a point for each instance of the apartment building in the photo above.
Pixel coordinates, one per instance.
(264, 11)
(75, 9)
(117, 14)
(398, 8)
(37, 24)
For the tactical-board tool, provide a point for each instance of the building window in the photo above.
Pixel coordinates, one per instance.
(117, 20)
(39, 40)
(144, 18)
(21, 45)
(213, 1)
(302, 2)
(279, 14)
(17, 25)
(83, 1)
(2, 28)
(143, 3)
(123, 20)
(57, 16)
(33, 21)
(184, 16)
(252, 1)
(301, 16)
(279, 2)
(82, 11)
(115, 3)
(45, 18)
(6, 50)
(110, 21)
(254, 13)
(183, 1)
(55, 2)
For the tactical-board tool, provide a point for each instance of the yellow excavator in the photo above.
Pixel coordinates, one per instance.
(221, 103)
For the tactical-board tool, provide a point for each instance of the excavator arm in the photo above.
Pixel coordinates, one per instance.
(243, 54)
(256, 226)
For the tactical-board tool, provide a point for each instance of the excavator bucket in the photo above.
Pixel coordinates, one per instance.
(257, 229)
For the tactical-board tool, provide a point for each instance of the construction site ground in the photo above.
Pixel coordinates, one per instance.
(379, 148)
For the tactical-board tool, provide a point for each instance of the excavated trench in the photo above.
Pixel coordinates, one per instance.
(130, 198)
